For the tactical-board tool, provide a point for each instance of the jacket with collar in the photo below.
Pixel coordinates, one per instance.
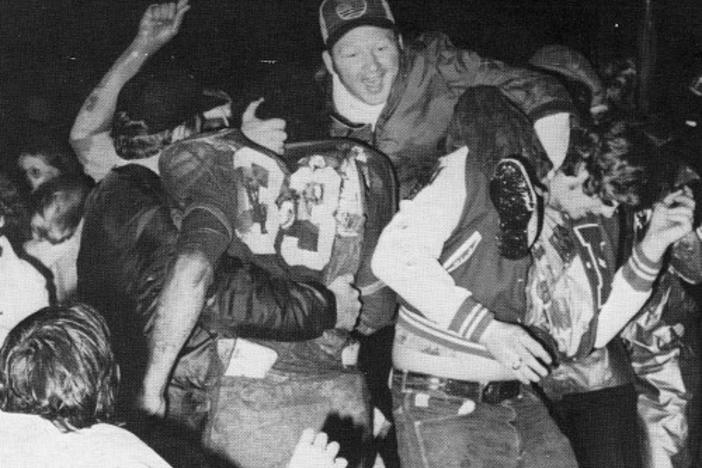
(433, 74)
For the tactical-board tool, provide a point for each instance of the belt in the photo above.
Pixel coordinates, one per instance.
(490, 392)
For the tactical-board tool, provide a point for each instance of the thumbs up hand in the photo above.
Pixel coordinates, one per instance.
(269, 133)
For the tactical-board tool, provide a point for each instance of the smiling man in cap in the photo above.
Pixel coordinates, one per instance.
(400, 98)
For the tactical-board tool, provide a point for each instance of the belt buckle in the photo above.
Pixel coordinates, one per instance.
(497, 392)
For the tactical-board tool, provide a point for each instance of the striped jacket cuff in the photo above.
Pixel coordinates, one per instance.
(639, 271)
(471, 319)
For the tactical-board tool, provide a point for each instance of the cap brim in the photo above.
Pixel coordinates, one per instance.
(337, 34)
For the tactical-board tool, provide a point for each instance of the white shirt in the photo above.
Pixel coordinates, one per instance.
(30, 441)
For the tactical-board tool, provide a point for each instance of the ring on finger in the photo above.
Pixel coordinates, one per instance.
(517, 364)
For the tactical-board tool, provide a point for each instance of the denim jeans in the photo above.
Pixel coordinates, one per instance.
(255, 423)
(515, 433)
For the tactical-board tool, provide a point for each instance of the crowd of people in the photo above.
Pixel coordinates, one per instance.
(479, 265)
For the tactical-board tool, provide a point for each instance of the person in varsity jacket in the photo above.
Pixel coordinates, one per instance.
(457, 337)
(578, 296)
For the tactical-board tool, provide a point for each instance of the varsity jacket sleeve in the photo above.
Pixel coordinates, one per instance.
(247, 300)
(631, 288)
(536, 94)
(407, 255)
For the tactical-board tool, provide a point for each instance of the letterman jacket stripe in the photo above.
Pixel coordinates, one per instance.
(470, 320)
(639, 271)
(427, 329)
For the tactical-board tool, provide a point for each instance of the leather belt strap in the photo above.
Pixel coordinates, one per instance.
(490, 392)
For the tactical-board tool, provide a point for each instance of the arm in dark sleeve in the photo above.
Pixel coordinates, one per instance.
(536, 94)
(249, 301)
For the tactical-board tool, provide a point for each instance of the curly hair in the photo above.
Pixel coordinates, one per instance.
(58, 364)
(618, 158)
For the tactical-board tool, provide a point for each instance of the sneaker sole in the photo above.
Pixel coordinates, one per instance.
(516, 202)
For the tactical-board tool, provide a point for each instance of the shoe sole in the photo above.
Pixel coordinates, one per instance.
(516, 201)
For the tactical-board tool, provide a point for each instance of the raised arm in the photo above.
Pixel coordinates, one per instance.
(671, 220)
(90, 134)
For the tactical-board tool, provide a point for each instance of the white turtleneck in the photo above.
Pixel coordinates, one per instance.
(352, 108)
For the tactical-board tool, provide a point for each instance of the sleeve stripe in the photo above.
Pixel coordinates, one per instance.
(463, 314)
(644, 263)
(639, 271)
(636, 267)
(482, 319)
(471, 320)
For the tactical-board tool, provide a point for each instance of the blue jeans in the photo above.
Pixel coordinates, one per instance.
(515, 433)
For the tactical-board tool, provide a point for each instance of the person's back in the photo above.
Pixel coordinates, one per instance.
(108, 263)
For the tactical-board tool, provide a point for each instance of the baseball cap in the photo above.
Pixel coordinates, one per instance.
(165, 97)
(337, 17)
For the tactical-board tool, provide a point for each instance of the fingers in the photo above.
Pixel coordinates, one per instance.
(181, 9)
(320, 441)
(535, 348)
(533, 367)
(168, 12)
(670, 198)
(250, 112)
(307, 437)
(528, 375)
(340, 463)
(332, 449)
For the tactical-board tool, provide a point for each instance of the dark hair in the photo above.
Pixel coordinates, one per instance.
(133, 140)
(58, 364)
(67, 195)
(53, 150)
(618, 158)
(14, 210)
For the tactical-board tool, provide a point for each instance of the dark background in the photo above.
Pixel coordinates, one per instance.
(52, 52)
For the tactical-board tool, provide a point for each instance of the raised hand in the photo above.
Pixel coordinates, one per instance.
(671, 220)
(313, 451)
(160, 24)
(515, 349)
(269, 133)
(348, 302)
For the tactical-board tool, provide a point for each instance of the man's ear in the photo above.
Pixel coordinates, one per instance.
(328, 62)
(400, 41)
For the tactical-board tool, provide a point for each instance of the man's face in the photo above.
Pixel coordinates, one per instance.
(566, 194)
(367, 60)
(44, 227)
(36, 170)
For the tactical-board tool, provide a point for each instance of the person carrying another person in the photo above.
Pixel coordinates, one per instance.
(454, 340)
(400, 97)
(130, 237)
